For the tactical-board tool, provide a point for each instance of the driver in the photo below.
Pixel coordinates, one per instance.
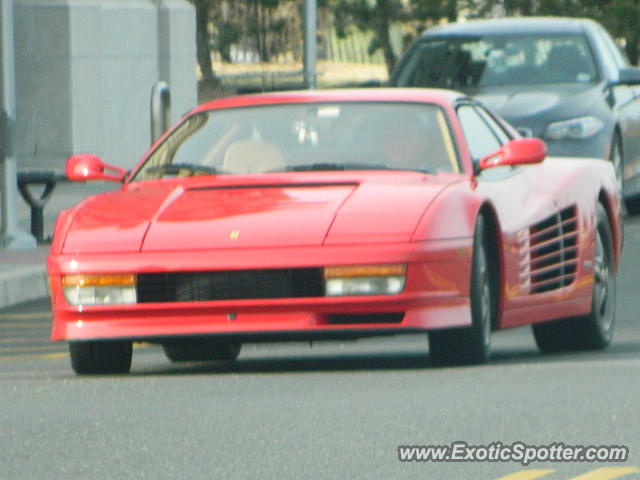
(405, 144)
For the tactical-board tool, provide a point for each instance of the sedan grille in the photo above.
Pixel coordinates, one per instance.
(554, 251)
(230, 285)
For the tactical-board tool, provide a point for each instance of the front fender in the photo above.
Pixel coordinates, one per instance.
(451, 215)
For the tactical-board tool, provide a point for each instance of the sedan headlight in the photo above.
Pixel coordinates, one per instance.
(576, 128)
(99, 289)
(364, 280)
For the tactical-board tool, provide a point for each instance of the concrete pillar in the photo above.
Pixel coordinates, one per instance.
(85, 69)
(11, 237)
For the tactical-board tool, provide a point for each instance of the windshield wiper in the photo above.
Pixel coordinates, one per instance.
(177, 168)
(314, 167)
(326, 166)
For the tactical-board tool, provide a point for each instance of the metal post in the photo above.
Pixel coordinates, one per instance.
(310, 43)
(160, 110)
(12, 238)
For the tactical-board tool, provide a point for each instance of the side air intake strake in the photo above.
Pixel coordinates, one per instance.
(553, 244)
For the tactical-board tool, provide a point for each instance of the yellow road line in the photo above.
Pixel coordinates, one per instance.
(55, 355)
(607, 473)
(49, 356)
(25, 316)
(528, 474)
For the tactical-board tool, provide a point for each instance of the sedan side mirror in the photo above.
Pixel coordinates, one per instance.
(91, 167)
(629, 76)
(522, 151)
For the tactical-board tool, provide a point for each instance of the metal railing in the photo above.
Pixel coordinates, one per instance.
(47, 179)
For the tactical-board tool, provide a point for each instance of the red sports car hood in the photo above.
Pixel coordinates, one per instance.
(179, 216)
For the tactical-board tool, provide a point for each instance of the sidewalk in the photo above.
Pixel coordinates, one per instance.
(22, 272)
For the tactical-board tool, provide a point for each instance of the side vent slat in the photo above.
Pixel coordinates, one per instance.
(553, 246)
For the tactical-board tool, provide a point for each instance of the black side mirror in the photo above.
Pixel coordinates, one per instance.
(374, 83)
(629, 76)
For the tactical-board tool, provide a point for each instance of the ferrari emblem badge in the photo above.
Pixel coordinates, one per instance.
(234, 234)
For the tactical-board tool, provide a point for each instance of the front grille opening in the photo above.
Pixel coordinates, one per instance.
(230, 285)
(358, 318)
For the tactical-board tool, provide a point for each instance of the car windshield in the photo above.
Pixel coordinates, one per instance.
(306, 137)
(461, 62)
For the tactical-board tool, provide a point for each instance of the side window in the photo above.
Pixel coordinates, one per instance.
(480, 137)
(614, 48)
(611, 60)
(498, 130)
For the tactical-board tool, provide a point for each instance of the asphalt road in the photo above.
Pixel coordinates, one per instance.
(330, 410)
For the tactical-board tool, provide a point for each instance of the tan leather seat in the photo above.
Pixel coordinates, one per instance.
(252, 156)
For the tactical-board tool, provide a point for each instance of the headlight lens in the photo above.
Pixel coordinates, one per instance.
(364, 280)
(97, 289)
(576, 128)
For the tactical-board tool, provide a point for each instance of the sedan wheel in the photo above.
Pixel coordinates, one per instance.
(618, 164)
(592, 331)
(632, 204)
(100, 357)
(470, 345)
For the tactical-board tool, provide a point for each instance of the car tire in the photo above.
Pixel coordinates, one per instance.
(632, 204)
(592, 331)
(100, 357)
(471, 345)
(201, 350)
(616, 157)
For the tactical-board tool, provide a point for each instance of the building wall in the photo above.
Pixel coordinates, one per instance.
(84, 73)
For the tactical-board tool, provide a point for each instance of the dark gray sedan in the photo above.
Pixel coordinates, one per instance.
(563, 80)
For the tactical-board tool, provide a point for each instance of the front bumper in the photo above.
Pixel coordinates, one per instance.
(436, 294)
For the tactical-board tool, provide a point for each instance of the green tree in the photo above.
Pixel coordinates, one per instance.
(622, 17)
(203, 51)
(222, 23)
(227, 33)
(376, 16)
(434, 10)
(267, 25)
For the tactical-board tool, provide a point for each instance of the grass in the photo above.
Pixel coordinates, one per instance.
(244, 77)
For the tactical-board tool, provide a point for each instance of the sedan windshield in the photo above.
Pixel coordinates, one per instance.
(306, 137)
(461, 62)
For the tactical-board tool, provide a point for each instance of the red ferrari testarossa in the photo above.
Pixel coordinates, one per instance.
(336, 214)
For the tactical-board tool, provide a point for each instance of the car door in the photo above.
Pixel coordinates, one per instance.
(526, 217)
(625, 100)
